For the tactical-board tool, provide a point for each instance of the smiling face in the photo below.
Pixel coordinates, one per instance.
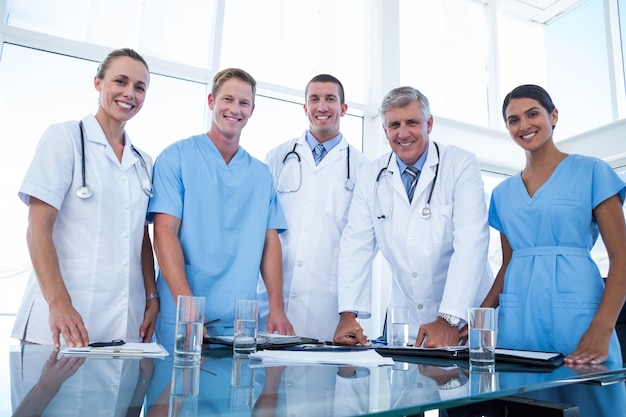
(324, 110)
(529, 123)
(407, 129)
(122, 89)
(232, 106)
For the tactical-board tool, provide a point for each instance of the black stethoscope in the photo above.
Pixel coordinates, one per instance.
(85, 191)
(349, 184)
(425, 212)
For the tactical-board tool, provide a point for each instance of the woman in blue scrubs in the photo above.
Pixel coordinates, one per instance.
(549, 290)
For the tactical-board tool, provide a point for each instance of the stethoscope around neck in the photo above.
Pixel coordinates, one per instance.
(84, 191)
(425, 211)
(293, 154)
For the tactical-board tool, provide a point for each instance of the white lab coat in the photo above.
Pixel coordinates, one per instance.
(438, 264)
(316, 215)
(98, 240)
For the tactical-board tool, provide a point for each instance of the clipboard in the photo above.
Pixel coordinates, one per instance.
(127, 350)
(269, 342)
(514, 356)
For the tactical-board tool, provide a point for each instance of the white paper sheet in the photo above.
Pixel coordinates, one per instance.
(356, 358)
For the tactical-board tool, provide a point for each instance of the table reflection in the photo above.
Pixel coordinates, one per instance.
(591, 398)
(43, 383)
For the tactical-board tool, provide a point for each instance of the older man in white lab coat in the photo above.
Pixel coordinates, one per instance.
(436, 242)
(315, 190)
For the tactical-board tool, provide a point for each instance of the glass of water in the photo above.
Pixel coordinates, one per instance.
(482, 341)
(399, 329)
(246, 324)
(189, 328)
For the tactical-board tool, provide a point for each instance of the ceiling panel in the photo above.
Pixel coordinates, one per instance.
(540, 11)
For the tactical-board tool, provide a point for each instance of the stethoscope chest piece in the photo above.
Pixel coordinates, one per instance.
(84, 192)
(349, 184)
(425, 212)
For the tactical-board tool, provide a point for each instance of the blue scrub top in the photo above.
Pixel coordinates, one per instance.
(552, 287)
(225, 212)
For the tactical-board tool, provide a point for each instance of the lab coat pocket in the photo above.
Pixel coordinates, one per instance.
(509, 320)
(442, 229)
(338, 202)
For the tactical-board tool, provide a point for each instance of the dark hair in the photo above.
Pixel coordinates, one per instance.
(228, 73)
(326, 78)
(529, 91)
(104, 66)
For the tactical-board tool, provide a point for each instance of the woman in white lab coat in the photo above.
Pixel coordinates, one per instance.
(87, 190)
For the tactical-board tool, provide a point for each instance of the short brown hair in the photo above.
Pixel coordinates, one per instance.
(228, 73)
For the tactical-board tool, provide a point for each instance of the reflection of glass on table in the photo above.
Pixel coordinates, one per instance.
(184, 389)
(241, 392)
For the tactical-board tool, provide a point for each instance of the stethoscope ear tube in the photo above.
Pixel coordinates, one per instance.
(84, 191)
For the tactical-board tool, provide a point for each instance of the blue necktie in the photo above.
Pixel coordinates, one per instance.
(318, 151)
(414, 174)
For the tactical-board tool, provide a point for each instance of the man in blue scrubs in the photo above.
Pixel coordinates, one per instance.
(217, 218)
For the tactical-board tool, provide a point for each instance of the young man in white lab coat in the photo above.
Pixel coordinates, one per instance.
(315, 190)
(435, 243)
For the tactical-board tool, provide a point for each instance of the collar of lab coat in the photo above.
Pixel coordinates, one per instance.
(426, 177)
(95, 135)
(335, 153)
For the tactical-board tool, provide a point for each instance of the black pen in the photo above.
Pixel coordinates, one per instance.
(117, 342)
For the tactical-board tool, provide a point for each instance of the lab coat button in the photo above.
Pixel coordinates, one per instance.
(123, 293)
(420, 306)
(126, 206)
(414, 275)
(410, 239)
(299, 263)
(123, 177)
(125, 263)
(294, 295)
(125, 235)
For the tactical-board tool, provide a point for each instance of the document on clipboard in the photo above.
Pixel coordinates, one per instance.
(527, 357)
(267, 341)
(136, 350)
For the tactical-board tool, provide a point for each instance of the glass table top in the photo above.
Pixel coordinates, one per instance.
(42, 382)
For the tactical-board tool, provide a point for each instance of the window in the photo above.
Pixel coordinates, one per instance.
(443, 53)
(153, 27)
(287, 42)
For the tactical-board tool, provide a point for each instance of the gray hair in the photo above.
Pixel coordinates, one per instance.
(403, 96)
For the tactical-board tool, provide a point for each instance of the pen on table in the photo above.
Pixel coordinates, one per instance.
(117, 342)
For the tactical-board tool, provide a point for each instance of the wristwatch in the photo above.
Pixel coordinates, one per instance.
(453, 321)
(451, 384)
